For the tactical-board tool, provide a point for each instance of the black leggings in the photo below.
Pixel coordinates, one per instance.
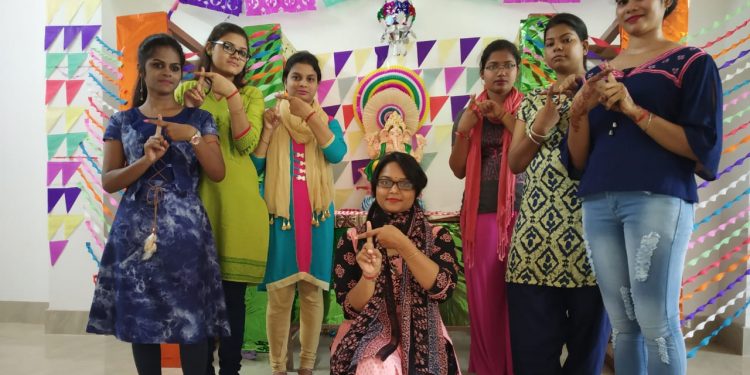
(192, 357)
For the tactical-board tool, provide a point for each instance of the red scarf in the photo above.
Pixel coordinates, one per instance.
(506, 190)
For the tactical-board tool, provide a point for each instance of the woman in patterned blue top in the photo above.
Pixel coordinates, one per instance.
(159, 279)
(641, 127)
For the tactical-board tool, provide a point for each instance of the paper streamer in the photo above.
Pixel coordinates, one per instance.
(711, 301)
(102, 73)
(722, 192)
(712, 233)
(112, 59)
(734, 60)
(725, 324)
(716, 278)
(736, 100)
(720, 209)
(93, 256)
(716, 264)
(262, 7)
(733, 46)
(736, 130)
(94, 206)
(716, 24)
(96, 196)
(107, 47)
(233, 7)
(719, 311)
(107, 91)
(726, 35)
(101, 113)
(736, 115)
(707, 253)
(90, 159)
(91, 118)
(106, 65)
(94, 234)
(735, 146)
(731, 76)
(726, 170)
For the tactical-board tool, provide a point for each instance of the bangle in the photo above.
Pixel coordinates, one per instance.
(533, 140)
(532, 132)
(310, 115)
(412, 255)
(463, 135)
(642, 116)
(648, 124)
(370, 278)
(235, 92)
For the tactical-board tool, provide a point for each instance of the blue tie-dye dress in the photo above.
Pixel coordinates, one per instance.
(176, 296)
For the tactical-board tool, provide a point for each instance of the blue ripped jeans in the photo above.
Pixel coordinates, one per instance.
(637, 243)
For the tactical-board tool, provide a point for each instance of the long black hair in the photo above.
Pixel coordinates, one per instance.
(146, 51)
(219, 31)
(571, 21)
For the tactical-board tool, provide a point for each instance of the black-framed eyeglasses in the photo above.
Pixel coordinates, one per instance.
(230, 49)
(387, 183)
(503, 66)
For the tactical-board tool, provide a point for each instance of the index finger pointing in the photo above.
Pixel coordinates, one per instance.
(369, 229)
(201, 79)
(158, 126)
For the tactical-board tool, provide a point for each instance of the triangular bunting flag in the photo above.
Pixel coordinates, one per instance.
(353, 139)
(360, 58)
(53, 143)
(68, 170)
(53, 87)
(382, 54)
(71, 8)
(69, 34)
(472, 77)
(72, 222)
(451, 76)
(342, 196)
(54, 222)
(338, 169)
(53, 60)
(323, 59)
(445, 47)
(345, 85)
(71, 89)
(53, 6)
(424, 130)
(442, 133)
(332, 110)
(53, 196)
(427, 159)
(53, 116)
(50, 34)
(467, 45)
(339, 60)
(89, 8)
(429, 76)
(436, 104)
(87, 35)
(348, 111)
(457, 104)
(357, 169)
(323, 88)
(55, 250)
(423, 49)
(71, 194)
(75, 60)
(72, 114)
(74, 139)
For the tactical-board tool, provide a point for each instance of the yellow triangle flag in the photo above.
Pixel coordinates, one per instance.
(54, 222)
(445, 47)
(360, 58)
(53, 6)
(353, 140)
(52, 116)
(323, 59)
(441, 133)
(71, 224)
(71, 8)
(89, 6)
(72, 114)
(341, 196)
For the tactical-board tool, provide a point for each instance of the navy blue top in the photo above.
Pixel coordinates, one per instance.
(682, 86)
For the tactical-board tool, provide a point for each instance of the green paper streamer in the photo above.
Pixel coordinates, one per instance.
(531, 44)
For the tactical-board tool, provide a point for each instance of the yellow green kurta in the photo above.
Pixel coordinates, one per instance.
(238, 214)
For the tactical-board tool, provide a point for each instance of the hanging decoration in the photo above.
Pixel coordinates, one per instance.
(397, 17)
(233, 7)
(534, 71)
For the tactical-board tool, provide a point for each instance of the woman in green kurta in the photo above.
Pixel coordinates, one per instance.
(238, 214)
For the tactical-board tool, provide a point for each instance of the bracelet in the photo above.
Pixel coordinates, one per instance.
(462, 135)
(533, 140)
(412, 255)
(648, 124)
(642, 116)
(370, 278)
(310, 115)
(532, 132)
(235, 92)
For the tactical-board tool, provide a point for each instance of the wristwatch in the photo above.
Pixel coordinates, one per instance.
(196, 138)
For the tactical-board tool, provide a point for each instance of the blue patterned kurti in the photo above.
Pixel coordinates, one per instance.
(175, 296)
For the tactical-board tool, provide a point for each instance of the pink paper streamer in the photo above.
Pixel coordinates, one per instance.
(105, 64)
(720, 228)
(736, 100)
(94, 234)
(261, 7)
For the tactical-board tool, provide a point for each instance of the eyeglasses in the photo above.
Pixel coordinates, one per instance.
(503, 66)
(387, 183)
(230, 49)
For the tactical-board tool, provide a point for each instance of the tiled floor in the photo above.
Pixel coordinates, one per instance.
(26, 350)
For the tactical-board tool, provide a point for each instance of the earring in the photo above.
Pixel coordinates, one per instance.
(143, 89)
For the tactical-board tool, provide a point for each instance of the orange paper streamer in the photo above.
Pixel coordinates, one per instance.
(718, 277)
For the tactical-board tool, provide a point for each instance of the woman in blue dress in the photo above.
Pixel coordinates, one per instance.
(641, 128)
(159, 279)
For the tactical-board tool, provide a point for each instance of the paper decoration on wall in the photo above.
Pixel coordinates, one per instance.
(67, 168)
(266, 48)
(131, 30)
(357, 169)
(261, 7)
(55, 194)
(339, 60)
(397, 16)
(329, 3)
(401, 78)
(424, 48)
(457, 104)
(540, 1)
(55, 250)
(55, 140)
(534, 72)
(75, 60)
(71, 89)
(674, 27)
(324, 87)
(53, 60)
(70, 223)
(451, 76)
(233, 7)
(72, 8)
(53, 86)
(70, 33)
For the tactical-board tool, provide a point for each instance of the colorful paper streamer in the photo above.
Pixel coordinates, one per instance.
(721, 209)
(727, 322)
(707, 253)
(712, 317)
(726, 170)
(233, 7)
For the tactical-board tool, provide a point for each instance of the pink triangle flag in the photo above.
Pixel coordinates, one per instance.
(53, 87)
(71, 89)
(451, 76)
(55, 250)
(324, 88)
